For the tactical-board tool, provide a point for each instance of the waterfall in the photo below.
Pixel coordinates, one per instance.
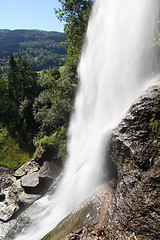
(114, 66)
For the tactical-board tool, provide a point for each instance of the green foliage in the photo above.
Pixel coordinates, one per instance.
(43, 48)
(11, 155)
(155, 124)
(75, 14)
(18, 88)
(56, 141)
(52, 107)
(62, 69)
(3, 134)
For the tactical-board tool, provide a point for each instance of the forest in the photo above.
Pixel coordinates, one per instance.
(44, 49)
(35, 108)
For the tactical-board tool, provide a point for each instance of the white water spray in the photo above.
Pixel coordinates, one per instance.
(115, 61)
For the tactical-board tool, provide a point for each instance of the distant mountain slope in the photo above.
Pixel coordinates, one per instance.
(41, 47)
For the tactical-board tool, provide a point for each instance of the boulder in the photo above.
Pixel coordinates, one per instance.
(28, 199)
(39, 182)
(7, 211)
(31, 183)
(9, 206)
(6, 177)
(49, 170)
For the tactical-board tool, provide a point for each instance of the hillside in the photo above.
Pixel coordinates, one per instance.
(43, 48)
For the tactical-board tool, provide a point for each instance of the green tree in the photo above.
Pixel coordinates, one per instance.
(19, 88)
(0, 73)
(52, 107)
(12, 80)
(75, 14)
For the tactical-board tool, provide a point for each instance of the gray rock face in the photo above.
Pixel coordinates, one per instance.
(135, 150)
(49, 170)
(30, 180)
(31, 183)
(9, 206)
(28, 199)
(6, 177)
(92, 211)
(28, 168)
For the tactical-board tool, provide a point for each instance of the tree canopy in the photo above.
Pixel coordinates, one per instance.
(18, 88)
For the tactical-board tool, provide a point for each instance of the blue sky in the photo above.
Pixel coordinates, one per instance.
(29, 14)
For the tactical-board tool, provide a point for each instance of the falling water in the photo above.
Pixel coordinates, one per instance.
(115, 62)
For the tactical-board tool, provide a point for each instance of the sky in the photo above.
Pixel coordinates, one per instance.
(29, 14)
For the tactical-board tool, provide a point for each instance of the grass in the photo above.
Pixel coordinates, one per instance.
(11, 155)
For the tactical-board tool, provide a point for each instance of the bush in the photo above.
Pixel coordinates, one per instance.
(56, 141)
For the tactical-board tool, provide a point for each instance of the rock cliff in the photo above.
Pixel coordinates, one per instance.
(135, 148)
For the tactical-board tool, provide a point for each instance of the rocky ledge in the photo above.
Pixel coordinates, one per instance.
(21, 188)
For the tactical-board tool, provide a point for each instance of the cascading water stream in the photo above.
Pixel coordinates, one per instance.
(115, 61)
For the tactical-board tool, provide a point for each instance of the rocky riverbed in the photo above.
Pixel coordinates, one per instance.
(23, 187)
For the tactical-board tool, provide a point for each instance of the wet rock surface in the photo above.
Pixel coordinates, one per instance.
(91, 213)
(135, 149)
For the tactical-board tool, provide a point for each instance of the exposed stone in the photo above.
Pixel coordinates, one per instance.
(31, 183)
(4, 226)
(135, 149)
(9, 206)
(30, 180)
(28, 168)
(48, 155)
(7, 211)
(28, 199)
(24, 186)
(6, 177)
(92, 211)
(49, 170)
